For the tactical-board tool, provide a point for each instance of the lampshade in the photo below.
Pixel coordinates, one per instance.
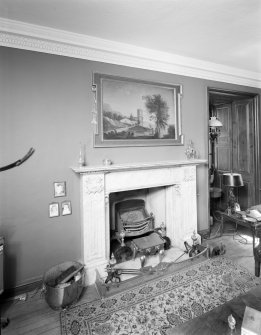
(214, 122)
(232, 179)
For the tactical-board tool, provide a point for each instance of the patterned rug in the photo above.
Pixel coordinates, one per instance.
(154, 307)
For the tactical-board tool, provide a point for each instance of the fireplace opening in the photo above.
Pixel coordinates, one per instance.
(133, 232)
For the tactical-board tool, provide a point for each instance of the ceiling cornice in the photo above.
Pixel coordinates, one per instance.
(16, 34)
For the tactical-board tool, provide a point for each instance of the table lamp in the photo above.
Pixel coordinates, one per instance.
(232, 180)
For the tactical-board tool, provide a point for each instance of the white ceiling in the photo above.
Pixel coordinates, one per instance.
(226, 32)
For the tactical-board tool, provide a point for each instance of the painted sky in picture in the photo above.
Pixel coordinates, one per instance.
(127, 97)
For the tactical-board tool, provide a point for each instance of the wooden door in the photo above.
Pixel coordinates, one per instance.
(243, 149)
(235, 149)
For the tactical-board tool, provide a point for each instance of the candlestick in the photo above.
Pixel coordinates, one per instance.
(81, 157)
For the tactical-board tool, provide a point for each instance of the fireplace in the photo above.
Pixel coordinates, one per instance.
(176, 181)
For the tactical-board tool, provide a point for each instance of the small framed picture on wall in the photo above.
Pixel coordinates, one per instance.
(66, 208)
(60, 189)
(53, 209)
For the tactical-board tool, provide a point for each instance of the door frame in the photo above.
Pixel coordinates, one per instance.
(233, 95)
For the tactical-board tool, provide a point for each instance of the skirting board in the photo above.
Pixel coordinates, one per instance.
(16, 291)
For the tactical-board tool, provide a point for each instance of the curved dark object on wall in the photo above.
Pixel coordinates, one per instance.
(19, 161)
(5, 321)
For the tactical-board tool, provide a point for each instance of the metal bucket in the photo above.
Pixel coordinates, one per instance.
(65, 294)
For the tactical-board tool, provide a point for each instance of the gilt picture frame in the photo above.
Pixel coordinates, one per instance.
(66, 207)
(54, 209)
(133, 112)
(59, 189)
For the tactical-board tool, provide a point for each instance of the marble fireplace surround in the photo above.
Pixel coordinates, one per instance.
(97, 183)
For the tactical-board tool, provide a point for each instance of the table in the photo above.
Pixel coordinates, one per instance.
(255, 227)
(215, 322)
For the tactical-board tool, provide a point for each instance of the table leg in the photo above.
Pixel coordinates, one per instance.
(257, 268)
(254, 236)
(257, 256)
(222, 225)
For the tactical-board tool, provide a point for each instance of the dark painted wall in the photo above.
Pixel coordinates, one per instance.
(45, 103)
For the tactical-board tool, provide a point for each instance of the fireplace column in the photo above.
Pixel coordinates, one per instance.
(181, 206)
(93, 224)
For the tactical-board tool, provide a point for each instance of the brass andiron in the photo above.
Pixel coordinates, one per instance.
(142, 260)
(161, 254)
(122, 235)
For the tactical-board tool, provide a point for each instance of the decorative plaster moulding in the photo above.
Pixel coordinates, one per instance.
(136, 166)
(20, 35)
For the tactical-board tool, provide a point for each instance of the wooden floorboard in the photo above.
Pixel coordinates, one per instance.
(35, 317)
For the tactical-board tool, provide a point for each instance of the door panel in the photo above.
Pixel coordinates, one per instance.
(223, 145)
(243, 149)
(224, 115)
(223, 158)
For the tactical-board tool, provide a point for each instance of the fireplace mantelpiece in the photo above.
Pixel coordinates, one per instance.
(97, 183)
(137, 166)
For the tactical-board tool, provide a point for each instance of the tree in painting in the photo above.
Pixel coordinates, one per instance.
(158, 110)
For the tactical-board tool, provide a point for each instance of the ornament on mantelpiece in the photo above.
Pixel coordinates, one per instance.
(81, 161)
(107, 162)
(190, 151)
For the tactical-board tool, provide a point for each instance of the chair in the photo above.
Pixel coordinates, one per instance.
(4, 321)
(257, 234)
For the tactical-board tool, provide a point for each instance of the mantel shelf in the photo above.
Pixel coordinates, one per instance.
(137, 166)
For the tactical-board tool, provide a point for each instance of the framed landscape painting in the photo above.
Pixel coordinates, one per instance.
(134, 112)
